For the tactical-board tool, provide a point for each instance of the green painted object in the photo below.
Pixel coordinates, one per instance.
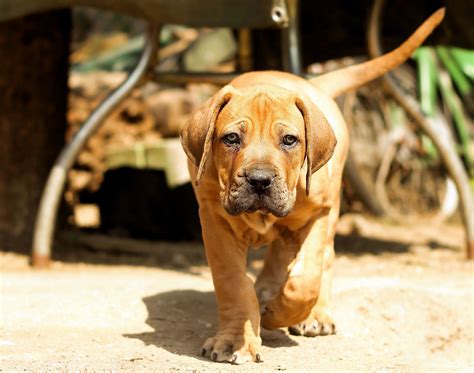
(465, 59)
(450, 70)
(427, 78)
(460, 80)
(164, 154)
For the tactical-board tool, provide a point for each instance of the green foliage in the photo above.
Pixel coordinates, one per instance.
(450, 72)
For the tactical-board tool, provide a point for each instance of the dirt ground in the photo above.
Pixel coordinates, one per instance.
(403, 301)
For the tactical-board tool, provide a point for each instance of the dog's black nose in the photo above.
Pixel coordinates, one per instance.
(260, 179)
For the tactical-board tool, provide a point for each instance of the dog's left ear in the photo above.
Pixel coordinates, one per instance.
(197, 133)
(320, 139)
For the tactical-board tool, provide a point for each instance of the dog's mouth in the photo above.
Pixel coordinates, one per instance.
(275, 201)
(261, 205)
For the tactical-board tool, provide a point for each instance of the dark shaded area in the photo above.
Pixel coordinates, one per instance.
(335, 29)
(139, 203)
(33, 100)
(183, 319)
(359, 245)
(74, 246)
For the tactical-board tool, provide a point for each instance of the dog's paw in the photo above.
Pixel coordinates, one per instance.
(232, 349)
(314, 326)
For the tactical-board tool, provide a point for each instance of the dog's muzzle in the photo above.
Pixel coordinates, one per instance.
(259, 189)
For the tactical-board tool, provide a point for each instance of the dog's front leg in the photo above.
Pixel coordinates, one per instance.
(238, 337)
(299, 293)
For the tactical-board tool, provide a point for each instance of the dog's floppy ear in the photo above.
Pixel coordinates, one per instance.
(320, 138)
(197, 133)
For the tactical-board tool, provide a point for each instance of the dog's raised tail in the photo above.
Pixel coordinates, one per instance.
(340, 81)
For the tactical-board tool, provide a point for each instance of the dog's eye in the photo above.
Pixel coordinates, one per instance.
(231, 139)
(289, 140)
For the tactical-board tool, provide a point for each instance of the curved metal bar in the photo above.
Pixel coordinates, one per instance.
(46, 217)
(434, 129)
(196, 13)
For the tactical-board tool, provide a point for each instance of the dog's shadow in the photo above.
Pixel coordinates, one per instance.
(183, 319)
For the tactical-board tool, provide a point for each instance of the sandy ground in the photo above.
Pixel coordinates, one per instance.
(400, 305)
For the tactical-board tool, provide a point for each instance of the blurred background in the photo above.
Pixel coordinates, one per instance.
(57, 67)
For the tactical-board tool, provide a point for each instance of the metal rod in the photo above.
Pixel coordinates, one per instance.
(435, 129)
(245, 49)
(50, 200)
(291, 41)
(185, 78)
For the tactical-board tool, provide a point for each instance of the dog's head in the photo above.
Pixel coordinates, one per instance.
(260, 138)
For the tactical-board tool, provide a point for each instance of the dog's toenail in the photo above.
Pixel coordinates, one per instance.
(234, 358)
(258, 358)
(325, 329)
(214, 356)
(203, 351)
(295, 330)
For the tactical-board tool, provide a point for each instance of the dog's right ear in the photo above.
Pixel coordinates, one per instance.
(320, 138)
(197, 133)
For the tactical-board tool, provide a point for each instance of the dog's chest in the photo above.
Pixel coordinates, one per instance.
(260, 229)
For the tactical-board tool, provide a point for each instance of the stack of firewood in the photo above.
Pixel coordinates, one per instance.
(150, 113)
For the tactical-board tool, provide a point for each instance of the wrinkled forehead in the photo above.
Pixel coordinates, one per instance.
(265, 105)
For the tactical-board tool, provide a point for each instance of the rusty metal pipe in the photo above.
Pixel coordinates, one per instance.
(51, 198)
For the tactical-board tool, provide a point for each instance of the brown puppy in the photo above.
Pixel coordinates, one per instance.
(266, 155)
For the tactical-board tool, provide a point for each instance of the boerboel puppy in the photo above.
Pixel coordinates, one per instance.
(266, 158)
